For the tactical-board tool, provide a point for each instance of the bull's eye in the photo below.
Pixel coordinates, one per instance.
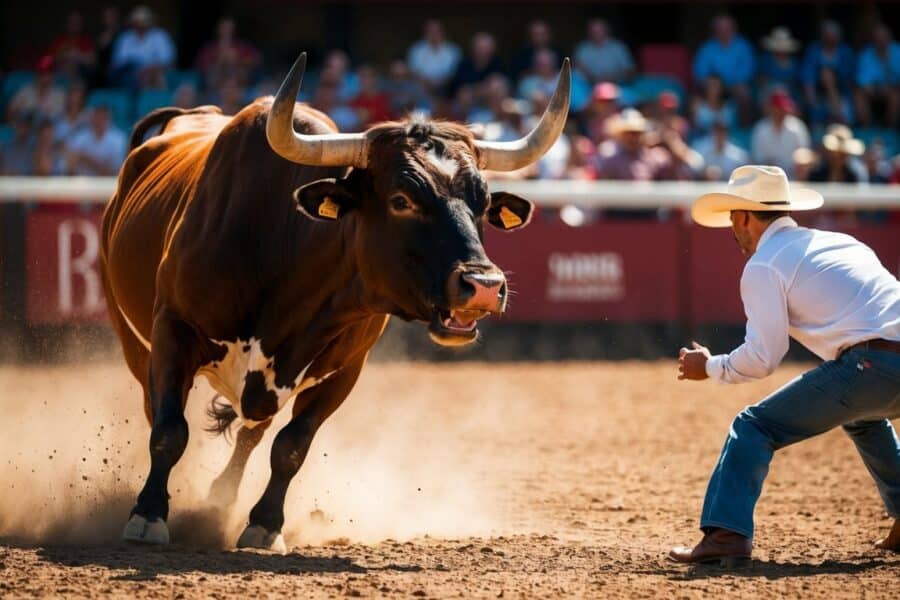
(401, 204)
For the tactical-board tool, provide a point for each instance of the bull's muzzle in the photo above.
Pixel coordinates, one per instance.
(478, 291)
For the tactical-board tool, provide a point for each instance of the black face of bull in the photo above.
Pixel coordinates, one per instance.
(422, 203)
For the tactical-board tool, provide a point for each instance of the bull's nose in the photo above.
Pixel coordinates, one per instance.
(481, 291)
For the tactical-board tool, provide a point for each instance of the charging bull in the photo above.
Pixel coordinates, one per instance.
(266, 251)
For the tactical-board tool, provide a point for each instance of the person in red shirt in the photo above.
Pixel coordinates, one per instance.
(226, 57)
(371, 104)
(73, 52)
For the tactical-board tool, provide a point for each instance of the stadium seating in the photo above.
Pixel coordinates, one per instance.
(152, 99)
(119, 103)
(673, 60)
(647, 88)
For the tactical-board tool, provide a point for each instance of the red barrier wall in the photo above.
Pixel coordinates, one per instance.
(610, 271)
(62, 251)
(615, 271)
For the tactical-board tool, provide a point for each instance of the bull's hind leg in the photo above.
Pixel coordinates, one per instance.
(172, 366)
(288, 453)
(224, 489)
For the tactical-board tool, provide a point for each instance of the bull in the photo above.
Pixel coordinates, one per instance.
(266, 251)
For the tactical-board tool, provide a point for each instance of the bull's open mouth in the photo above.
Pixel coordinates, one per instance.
(455, 327)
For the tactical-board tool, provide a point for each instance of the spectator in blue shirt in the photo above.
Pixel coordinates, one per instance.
(778, 66)
(142, 54)
(832, 54)
(729, 57)
(878, 78)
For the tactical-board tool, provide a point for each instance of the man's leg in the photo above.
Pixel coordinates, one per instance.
(879, 448)
(807, 406)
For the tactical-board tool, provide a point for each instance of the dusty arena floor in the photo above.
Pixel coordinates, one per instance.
(461, 480)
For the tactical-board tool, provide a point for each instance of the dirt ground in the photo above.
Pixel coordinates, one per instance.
(463, 480)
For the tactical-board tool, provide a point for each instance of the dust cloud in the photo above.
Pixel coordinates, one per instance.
(73, 442)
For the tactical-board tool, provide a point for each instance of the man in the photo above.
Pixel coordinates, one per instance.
(720, 155)
(98, 149)
(776, 137)
(878, 79)
(830, 293)
(142, 54)
(602, 57)
(433, 59)
(729, 57)
(842, 163)
(638, 156)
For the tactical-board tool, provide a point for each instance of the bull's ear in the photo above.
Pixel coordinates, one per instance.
(509, 212)
(325, 199)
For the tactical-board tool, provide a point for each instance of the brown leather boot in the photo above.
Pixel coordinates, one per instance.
(727, 548)
(892, 541)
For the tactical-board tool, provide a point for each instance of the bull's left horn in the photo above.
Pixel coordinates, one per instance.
(509, 156)
(326, 150)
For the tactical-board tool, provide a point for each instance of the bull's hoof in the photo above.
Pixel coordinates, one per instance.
(256, 536)
(138, 529)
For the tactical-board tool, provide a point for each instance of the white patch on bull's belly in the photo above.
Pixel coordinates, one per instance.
(228, 376)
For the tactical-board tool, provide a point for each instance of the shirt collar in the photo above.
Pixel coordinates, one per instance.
(774, 227)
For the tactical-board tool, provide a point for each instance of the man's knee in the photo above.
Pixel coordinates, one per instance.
(862, 428)
(749, 427)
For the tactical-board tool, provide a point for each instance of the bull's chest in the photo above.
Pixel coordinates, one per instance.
(246, 377)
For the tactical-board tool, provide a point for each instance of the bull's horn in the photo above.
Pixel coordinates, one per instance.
(327, 150)
(509, 156)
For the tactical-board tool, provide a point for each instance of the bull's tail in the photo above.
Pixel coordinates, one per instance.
(221, 414)
(160, 117)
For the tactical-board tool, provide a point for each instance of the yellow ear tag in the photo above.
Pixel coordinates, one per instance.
(509, 218)
(329, 209)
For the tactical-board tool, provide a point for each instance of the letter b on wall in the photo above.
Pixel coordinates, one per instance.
(63, 267)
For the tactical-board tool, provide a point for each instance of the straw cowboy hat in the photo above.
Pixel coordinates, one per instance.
(780, 40)
(839, 138)
(629, 120)
(753, 187)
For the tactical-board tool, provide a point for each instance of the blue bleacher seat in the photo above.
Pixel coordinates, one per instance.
(118, 101)
(888, 137)
(12, 83)
(152, 99)
(6, 133)
(741, 137)
(176, 78)
(647, 88)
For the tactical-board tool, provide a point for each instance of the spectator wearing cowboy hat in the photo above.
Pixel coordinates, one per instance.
(830, 293)
(143, 53)
(640, 156)
(776, 137)
(779, 66)
(841, 164)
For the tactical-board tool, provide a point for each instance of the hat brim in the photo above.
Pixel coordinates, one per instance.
(714, 210)
(852, 146)
(781, 45)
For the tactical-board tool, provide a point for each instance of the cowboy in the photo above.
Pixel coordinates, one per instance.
(830, 293)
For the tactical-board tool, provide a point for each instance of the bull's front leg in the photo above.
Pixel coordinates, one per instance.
(288, 453)
(172, 369)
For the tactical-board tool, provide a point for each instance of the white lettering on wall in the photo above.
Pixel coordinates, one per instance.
(83, 266)
(586, 277)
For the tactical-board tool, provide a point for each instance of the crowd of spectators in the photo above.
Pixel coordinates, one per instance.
(821, 109)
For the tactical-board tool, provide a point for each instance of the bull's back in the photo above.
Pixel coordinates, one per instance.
(156, 184)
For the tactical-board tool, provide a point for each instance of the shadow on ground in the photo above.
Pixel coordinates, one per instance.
(142, 564)
(772, 570)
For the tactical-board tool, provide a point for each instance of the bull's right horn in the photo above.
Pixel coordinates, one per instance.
(509, 156)
(326, 150)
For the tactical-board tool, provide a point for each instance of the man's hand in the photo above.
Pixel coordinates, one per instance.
(692, 363)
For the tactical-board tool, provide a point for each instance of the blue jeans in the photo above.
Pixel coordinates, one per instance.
(859, 391)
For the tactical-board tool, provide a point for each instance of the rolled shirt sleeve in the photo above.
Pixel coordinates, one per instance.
(766, 341)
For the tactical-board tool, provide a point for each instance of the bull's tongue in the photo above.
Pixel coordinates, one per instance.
(463, 319)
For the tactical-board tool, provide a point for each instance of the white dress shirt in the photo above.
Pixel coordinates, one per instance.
(826, 290)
